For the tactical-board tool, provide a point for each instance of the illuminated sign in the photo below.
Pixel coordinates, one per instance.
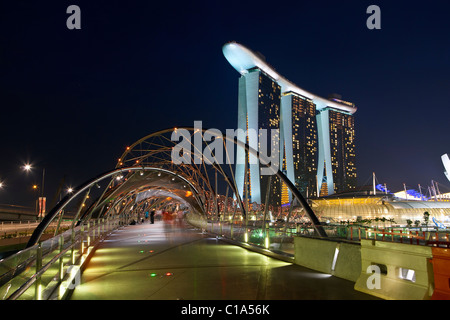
(416, 194)
(42, 201)
(382, 188)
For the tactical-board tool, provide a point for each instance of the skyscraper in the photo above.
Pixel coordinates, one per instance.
(336, 167)
(316, 143)
(258, 108)
(299, 141)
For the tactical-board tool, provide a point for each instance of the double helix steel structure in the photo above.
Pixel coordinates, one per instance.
(178, 169)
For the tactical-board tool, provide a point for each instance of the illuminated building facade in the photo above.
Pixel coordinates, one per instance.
(300, 141)
(258, 108)
(316, 143)
(336, 167)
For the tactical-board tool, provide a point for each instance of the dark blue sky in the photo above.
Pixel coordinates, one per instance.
(72, 100)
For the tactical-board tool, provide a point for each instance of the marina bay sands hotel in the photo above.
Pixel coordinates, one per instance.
(316, 135)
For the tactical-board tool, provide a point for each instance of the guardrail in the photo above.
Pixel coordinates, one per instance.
(9, 224)
(400, 235)
(48, 269)
(18, 230)
(279, 236)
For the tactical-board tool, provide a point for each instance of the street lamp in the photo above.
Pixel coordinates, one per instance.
(28, 167)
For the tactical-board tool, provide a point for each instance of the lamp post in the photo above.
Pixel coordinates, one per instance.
(40, 207)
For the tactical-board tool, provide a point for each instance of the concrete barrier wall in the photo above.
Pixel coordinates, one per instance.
(348, 264)
(314, 254)
(416, 281)
(406, 272)
(342, 260)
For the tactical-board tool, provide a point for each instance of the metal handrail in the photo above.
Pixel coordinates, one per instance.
(92, 233)
(16, 294)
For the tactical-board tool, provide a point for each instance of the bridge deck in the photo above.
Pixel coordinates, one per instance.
(169, 261)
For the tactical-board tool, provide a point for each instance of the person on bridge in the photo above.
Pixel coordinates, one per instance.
(152, 217)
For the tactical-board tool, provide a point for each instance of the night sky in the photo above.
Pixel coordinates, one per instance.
(72, 100)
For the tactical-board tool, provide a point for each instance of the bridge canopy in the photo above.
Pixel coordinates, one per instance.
(146, 177)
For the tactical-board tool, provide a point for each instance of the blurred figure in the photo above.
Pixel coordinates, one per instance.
(152, 217)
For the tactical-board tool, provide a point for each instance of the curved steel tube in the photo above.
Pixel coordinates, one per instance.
(310, 213)
(66, 200)
(37, 233)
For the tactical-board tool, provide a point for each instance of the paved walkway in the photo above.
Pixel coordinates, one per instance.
(167, 261)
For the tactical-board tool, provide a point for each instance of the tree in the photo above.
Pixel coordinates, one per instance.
(417, 223)
(409, 223)
(426, 217)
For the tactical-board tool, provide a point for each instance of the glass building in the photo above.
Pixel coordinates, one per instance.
(336, 209)
(336, 167)
(258, 108)
(316, 142)
(300, 142)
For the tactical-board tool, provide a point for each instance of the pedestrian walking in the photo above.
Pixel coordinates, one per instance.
(152, 217)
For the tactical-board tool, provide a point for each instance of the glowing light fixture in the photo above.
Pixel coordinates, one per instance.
(336, 253)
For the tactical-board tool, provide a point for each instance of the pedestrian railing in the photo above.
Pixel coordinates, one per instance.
(51, 268)
(429, 236)
(24, 229)
(279, 236)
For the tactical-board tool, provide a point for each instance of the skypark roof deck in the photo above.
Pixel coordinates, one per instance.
(242, 59)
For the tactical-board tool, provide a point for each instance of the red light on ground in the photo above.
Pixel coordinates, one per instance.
(169, 273)
(151, 251)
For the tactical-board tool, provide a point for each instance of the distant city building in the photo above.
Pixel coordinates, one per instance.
(316, 140)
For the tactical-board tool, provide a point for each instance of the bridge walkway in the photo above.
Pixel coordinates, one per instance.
(172, 261)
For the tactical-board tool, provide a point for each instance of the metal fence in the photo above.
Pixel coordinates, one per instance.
(25, 228)
(279, 236)
(48, 269)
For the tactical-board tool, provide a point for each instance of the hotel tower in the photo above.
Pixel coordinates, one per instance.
(316, 142)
